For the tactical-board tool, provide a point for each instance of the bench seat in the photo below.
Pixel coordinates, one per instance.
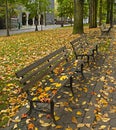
(44, 78)
(82, 48)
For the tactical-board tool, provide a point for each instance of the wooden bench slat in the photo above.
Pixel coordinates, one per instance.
(44, 67)
(38, 62)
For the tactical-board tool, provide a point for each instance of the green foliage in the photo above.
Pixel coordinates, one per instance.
(37, 7)
(65, 8)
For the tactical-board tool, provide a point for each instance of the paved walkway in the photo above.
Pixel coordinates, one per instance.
(27, 29)
(94, 107)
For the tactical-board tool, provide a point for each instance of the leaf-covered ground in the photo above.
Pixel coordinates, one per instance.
(20, 50)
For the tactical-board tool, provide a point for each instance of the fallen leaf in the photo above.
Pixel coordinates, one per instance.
(24, 115)
(74, 120)
(40, 115)
(63, 77)
(105, 119)
(79, 113)
(69, 109)
(15, 126)
(83, 103)
(87, 125)
(41, 121)
(102, 78)
(31, 126)
(47, 88)
(48, 116)
(80, 125)
(45, 124)
(36, 128)
(28, 121)
(58, 127)
(102, 127)
(69, 128)
(57, 117)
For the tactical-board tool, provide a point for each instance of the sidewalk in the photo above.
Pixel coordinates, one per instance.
(27, 29)
(94, 107)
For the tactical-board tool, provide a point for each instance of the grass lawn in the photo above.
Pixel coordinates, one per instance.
(18, 51)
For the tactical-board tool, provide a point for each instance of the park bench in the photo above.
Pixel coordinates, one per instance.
(82, 48)
(105, 30)
(44, 78)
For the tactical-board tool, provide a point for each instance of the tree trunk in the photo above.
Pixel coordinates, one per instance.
(109, 19)
(36, 23)
(78, 17)
(111, 13)
(7, 27)
(93, 13)
(100, 12)
(108, 12)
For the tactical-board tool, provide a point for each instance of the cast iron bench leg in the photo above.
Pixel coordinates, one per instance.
(82, 71)
(88, 58)
(93, 55)
(31, 103)
(52, 111)
(31, 108)
(97, 49)
(71, 81)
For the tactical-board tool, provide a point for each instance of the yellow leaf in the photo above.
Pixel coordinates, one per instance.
(51, 80)
(74, 120)
(65, 109)
(105, 119)
(63, 77)
(57, 118)
(83, 103)
(58, 85)
(10, 84)
(28, 121)
(40, 115)
(34, 99)
(58, 127)
(88, 117)
(102, 78)
(79, 113)
(86, 109)
(102, 127)
(47, 88)
(41, 121)
(85, 90)
(15, 126)
(98, 95)
(69, 109)
(59, 97)
(45, 124)
(69, 128)
(88, 125)
(36, 128)
(65, 103)
(80, 125)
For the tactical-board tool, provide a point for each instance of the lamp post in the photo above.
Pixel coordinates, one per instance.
(7, 27)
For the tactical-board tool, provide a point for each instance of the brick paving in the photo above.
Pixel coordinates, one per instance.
(93, 106)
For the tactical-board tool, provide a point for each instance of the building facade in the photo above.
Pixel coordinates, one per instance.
(25, 19)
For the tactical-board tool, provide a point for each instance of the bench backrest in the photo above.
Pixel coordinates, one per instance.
(79, 45)
(33, 73)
